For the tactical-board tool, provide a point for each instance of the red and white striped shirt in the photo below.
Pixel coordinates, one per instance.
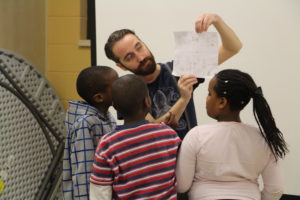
(138, 161)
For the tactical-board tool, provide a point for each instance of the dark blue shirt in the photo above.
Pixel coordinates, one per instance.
(164, 94)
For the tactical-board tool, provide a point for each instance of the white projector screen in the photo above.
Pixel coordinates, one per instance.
(269, 31)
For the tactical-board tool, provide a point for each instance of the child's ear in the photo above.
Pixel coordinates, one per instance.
(98, 98)
(121, 66)
(147, 102)
(223, 103)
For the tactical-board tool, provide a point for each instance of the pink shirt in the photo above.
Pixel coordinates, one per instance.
(224, 160)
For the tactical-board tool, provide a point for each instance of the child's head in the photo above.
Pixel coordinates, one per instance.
(130, 96)
(94, 85)
(236, 87)
(230, 91)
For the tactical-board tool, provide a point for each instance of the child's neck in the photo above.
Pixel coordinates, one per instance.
(228, 118)
(134, 119)
(102, 109)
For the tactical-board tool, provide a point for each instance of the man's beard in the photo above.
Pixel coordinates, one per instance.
(146, 66)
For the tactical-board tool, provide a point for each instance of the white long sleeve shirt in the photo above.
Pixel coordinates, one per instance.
(223, 160)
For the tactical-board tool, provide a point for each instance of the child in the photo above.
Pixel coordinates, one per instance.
(136, 160)
(86, 123)
(223, 160)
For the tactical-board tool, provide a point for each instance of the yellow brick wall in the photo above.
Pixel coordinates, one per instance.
(65, 58)
(23, 30)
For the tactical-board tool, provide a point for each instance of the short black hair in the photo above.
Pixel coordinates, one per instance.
(91, 81)
(128, 94)
(238, 87)
(113, 38)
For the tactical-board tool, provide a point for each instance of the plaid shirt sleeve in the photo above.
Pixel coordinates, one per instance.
(82, 156)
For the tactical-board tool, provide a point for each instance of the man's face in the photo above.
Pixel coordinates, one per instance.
(134, 55)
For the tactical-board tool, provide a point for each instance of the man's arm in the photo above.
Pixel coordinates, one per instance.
(185, 86)
(231, 44)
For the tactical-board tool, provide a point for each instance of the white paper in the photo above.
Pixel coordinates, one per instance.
(196, 53)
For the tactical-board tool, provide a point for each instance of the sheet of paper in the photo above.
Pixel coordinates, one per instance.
(196, 53)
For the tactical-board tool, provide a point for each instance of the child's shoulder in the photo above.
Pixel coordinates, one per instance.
(162, 125)
(204, 127)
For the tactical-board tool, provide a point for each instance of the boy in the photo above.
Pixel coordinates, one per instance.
(138, 159)
(86, 122)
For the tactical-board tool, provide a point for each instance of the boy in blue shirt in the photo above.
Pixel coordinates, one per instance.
(86, 122)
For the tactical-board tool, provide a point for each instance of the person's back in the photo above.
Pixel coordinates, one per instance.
(232, 153)
(223, 160)
(86, 122)
(137, 159)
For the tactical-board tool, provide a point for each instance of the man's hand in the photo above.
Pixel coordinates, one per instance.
(204, 21)
(231, 44)
(170, 120)
(185, 86)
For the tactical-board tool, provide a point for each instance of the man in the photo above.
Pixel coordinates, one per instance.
(167, 94)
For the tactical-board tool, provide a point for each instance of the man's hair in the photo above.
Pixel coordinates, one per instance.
(128, 94)
(92, 80)
(113, 38)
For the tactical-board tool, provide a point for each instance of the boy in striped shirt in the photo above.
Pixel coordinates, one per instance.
(137, 160)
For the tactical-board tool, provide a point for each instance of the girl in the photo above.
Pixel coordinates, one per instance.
(223, 160)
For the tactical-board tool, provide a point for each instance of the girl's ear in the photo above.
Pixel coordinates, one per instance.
(223, 102)
(98, 98)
